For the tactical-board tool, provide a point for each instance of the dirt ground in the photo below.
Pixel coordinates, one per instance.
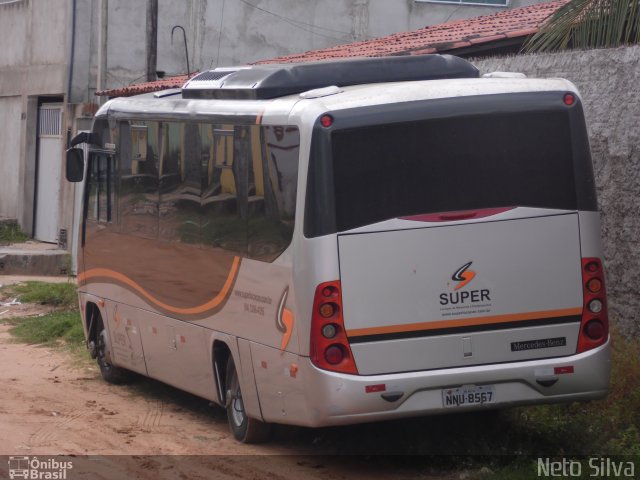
(52, 403)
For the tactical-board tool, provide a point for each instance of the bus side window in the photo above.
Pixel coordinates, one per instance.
(139, 184)
(93, 188)
(223, 188)
(180, 183)
(101, 191)
(273, 180)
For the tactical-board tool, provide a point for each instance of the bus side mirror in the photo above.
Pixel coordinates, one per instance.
(75, 165)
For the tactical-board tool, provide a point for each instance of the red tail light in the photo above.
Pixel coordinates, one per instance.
(594, 329)
(329, 344)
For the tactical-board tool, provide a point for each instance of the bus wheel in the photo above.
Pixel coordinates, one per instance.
(109, 372)
(245, 429)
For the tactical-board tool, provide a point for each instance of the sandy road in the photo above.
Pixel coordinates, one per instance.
(51, 404)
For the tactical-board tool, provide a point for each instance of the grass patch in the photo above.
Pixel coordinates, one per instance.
(11, 233)
(51, 329)
(609, 427)
(62, 327)
(60, 295)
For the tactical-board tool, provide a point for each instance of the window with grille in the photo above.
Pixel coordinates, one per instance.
(50, 122)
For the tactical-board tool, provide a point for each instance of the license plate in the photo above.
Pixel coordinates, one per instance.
(468, 395)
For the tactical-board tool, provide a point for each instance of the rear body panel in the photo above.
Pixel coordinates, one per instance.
(399, 291)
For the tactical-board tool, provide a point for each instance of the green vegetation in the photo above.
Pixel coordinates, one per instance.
(59, 295)
(610, 426)
(11, 233)
(589, 24)
(50, 329)
(603, 428)
(61, 327)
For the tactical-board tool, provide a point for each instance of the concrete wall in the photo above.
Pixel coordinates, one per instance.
(240, 33)
(33, 63)
(10, 112)
(34, 48)
(609, 81)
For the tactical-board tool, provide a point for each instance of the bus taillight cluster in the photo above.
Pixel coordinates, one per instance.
(594, 329)
(329, 344)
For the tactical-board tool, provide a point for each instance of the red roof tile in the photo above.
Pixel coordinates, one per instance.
(146, 87)
(445, 37)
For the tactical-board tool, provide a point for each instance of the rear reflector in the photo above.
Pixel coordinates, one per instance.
(563, 370)
(375, 388)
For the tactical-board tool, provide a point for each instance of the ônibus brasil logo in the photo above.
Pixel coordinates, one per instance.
(31, 468)
(463, 276)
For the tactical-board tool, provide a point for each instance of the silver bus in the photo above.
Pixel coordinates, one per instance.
(348, 241)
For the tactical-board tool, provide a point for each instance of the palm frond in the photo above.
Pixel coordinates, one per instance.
(589, 24)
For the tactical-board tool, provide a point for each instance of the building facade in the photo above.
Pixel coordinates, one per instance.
(57, 53)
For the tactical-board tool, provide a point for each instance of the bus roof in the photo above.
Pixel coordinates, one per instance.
(175, 106)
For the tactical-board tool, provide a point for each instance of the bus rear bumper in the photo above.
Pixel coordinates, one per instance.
(338, 399)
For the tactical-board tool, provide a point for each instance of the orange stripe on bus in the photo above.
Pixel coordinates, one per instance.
(511, 317)
(211, 304)
(288, 319)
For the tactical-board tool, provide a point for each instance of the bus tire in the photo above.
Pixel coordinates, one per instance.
(244, 428)
(109, 372)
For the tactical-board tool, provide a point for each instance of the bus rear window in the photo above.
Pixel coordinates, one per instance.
(441, 165)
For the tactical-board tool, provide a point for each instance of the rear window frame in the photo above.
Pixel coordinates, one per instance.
(320, 205)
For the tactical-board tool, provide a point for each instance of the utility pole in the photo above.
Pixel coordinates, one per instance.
(103, 21)
(152, 40)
